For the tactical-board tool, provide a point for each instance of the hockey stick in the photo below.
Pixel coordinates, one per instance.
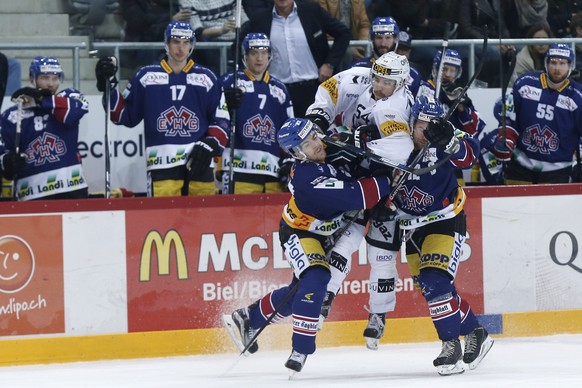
(373, 157)
(401, 179)
(106, 140)
(444, 46)
(19, 101)
(234, 85)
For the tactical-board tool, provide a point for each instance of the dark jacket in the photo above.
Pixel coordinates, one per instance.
(317, 24)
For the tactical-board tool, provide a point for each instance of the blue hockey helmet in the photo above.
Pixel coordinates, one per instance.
(179, 30)
(293, 132)
(560, 50)
(385, 25)
(451, 58)
(45, 65)
(256, 40)
(425, 108)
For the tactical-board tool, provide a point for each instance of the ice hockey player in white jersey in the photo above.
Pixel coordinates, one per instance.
(376, 104)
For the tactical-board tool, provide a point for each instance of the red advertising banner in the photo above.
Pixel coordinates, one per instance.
(188, 266)
(31, 275)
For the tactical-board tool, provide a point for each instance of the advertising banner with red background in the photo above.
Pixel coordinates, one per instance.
(188, 266)
(31, 275)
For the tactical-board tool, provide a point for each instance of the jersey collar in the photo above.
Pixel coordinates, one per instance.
(168, 69)
(544, 81)
(266, 76)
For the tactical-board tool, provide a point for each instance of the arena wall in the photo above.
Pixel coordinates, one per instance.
(149, 277)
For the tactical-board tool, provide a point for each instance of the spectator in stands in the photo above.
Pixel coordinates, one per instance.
(404, 47)
(473, 17)
(523, 14)
(576, 31)
(44, 160)
(186, 123)
(544, 128)
(213, 20)
(560, 13)
(352, 13)
(426, 19)
(301, 56)
(145, 21)
(260, 105)
(252, 6)
(531, 57)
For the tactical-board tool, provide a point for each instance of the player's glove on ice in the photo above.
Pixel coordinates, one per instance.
(441, 134)
(285, 170)
(201, 155)
(234, 98)
(105, 71)
(12, 164)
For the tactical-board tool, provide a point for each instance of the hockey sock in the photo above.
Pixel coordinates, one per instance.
(306, 307)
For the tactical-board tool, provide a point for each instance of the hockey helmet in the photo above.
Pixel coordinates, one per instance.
(256, 40)
(384, 26)
(45, 65)
(425, 108)
(179, 30)
(560, 50)
(392, 66)
(292, 133)
(451, 58)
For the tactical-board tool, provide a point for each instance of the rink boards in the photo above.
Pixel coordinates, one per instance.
(142, 277)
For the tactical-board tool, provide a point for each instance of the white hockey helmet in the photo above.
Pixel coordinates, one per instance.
(392, 66)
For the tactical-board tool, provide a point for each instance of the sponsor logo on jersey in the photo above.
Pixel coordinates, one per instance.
(441, 310)
(260, 130)
(277, 93)
(331, 86)
(52, 184)
(383, 286)
(46, 148)
(391, 127)
(199, 80)
(540, 140)
(567, 103)
(154, 78)
(339, 262)
(530, 93)
(182, 122)
(76, 179)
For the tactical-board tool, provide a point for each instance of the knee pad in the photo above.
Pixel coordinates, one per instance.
(435, 283)
(339, 267)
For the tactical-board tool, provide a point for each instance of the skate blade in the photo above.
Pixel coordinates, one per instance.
(448, 370)
(372, 343)
(232, 330)
(485, 347)
(291, 373)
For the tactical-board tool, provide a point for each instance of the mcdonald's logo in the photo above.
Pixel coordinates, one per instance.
(163, 248)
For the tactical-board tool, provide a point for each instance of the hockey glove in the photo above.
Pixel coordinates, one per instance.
(319, 119)
(12, 164)
(105, 71)
(201, 155)
(285, 170)
(31, 97)
(364, 134)
(503, 148)
(234, 98)
(383, 211)
(441, 134)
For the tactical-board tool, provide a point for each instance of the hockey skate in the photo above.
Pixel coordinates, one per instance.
(325, 308)
(450, 361)
(295, 362)
(238, 326)
(477, 345)
(375, 330)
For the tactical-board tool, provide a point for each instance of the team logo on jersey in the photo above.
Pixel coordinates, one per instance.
(46, 149)
(260, 130)
(414, 198)
(181, 122)
(543, 141)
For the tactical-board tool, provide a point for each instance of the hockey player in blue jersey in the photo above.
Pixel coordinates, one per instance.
(465, 116)
(310, 222)
(430, 211)
(384, 32)
(262, 105)
(186, 122)
(47, 164)
(545, 126)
